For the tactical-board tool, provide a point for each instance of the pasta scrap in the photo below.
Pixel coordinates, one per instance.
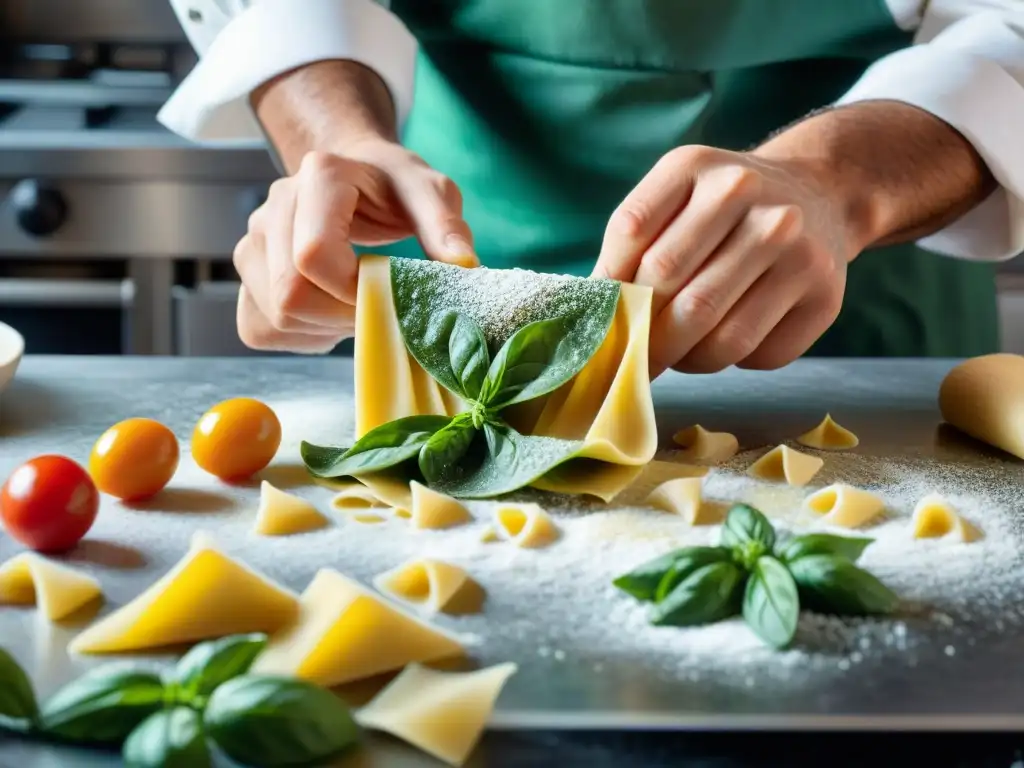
(434, 510)
(934, 517)
(702, 446)
(283, 514)
(58, 591)
(356, 496)
(829, 436)
(525, 525)
(782, 463)
(845, 505)
(432, 586)
(684, 497)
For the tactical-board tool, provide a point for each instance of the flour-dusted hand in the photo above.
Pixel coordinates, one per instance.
(747, 258)
(296, 261)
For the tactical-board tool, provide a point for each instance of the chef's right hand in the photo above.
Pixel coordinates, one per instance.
(296, 262)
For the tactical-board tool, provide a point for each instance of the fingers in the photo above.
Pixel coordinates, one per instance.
(695, 316)
(434, 204)
(794, 334)
(257, 332)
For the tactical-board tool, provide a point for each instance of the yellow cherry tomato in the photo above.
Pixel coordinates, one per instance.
(134, 459)
(236, 439)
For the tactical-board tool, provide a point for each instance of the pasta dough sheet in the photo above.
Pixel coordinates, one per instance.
(984, 398)
(607, 405)
(58, 591)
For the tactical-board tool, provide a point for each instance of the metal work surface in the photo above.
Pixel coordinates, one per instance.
(960, 674)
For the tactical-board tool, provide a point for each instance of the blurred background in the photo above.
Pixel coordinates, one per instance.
(115, 235)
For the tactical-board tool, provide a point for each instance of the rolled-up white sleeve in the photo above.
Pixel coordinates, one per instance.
(967, 68)
(245, 43)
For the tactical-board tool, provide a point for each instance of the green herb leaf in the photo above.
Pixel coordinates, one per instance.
(711, 593)
(103, 706)
(644, 581)
(18, 707)
(266, 722)
(382, 448)
(745, 524)
(833, 585)
(441, 454)
(467, 349)
(512, 461)
(530, 364)
(771, 605)
(214, 662)
(171, 738)
(850, 547)
(688, 561)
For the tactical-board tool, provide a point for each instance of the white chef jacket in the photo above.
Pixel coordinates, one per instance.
(966, 67)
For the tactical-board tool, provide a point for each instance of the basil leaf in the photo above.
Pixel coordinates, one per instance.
(833, 585)
(209, 664)
(18, 707)
(265, 722)
(467, 350)
(512, 461)
(171, 738)
(849, 547)
(428, 295)
(103, 706)
(687, 562)
(441, 454)
(771, 605)
(745, 524)
(642, 582)
(709, 594)
(381, 448)
(531, 363)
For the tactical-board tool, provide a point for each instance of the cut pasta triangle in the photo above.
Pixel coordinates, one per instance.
(431, 586)
(283, 514)
(654, 474)
(206, 595)
(393, 492)
(607, 405)
(783, 464)
(442, 713)
(489, 535)
(684, 497)
(344, 632)
(702, 446)
(434, 510)
(844, 505)
(355, 495)
(525, 525)
(829, 436)
(934, 517)
(58, 591)
(368, 518)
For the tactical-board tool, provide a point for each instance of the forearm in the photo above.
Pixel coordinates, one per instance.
(325, 106)
(899, 173)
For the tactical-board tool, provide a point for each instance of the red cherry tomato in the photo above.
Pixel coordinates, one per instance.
(49, 503)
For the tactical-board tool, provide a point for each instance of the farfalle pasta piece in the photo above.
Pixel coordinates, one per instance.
(284, 514)
(525, 525)
(433, 510)
(699, 445)
(431, 586)
(934, 517)
(57, 590)
(684, 497)
(844, 505)
(829, 436)
(783, 464)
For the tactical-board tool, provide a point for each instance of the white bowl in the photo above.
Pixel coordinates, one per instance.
(12, 347)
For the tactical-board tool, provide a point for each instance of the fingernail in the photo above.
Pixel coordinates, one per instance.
(460, 251)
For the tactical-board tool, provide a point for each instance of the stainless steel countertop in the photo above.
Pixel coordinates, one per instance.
(63, 404)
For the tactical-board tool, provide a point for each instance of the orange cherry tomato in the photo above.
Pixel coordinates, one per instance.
(236, 439)
(134, 459)
(49, 503)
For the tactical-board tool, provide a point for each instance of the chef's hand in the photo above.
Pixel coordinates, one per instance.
(746, 256)
(296, 261)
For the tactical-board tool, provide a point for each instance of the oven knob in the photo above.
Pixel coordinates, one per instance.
(39, 208)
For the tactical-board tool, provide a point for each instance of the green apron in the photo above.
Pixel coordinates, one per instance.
(547, 112)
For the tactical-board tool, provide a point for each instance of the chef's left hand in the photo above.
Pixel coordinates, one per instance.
(746, 256)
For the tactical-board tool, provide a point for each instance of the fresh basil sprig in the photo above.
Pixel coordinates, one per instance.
(752, 574)
(207, 700)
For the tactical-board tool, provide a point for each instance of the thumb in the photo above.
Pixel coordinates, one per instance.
(434, 206)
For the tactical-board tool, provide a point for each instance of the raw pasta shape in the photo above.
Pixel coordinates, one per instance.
(684, 497)
(783, 464)
(702, 446)
(829, 436)
(388, 490)
(489, 535)
(58, 591)
(934, 517)
(368, 518)
(982, 397)
(607, 405)
(433, 510)
(525, 525)
(356, 496)
(432, 586)
(442, 713)
(844, 505)
(283, 514)
(654, 474)
(345, 632)
(206, 595)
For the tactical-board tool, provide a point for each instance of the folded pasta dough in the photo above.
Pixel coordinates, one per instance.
(607, 405)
